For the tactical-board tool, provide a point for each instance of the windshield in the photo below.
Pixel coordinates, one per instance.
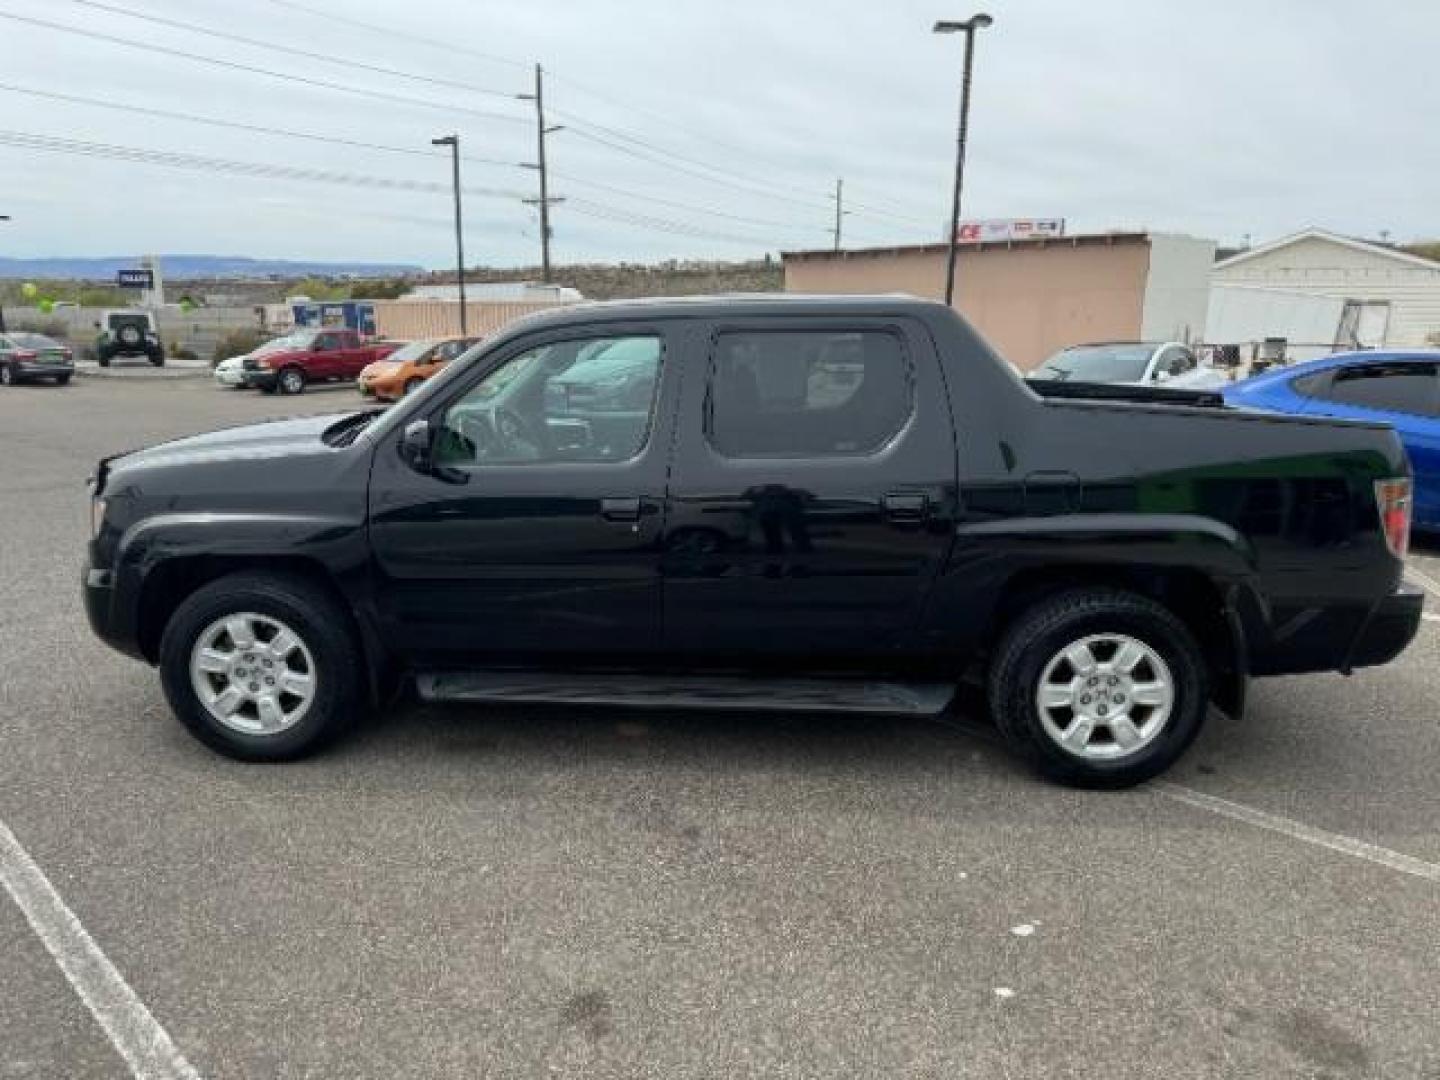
(34, 341)
(1097, 363)
(414, 351)
(118, 319)
(301, 339)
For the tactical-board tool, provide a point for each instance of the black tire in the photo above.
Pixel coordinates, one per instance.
(7, 375)
(412, 385)
(290, 380)
(102, 359)
(316, 619)
(62, 380)
(1040, 633)
(158, 359)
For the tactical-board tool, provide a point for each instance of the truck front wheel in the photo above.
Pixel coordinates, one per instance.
(290, 381)
(1099, 688)
(261, 666)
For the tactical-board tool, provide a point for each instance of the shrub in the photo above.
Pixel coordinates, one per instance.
(238, 343)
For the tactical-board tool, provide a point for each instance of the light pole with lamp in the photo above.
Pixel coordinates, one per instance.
(968, 28)
(453, 141)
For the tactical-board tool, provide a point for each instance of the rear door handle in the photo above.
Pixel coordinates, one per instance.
(620, 509)
(905, 505)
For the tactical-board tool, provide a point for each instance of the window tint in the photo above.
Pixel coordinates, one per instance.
(327, 342)
(1407, 388)
(1309, 385)
(807, 393)
(589, 400)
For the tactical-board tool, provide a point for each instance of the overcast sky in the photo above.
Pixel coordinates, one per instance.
(727, 123)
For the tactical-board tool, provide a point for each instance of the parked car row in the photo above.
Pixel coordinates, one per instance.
(385, 370)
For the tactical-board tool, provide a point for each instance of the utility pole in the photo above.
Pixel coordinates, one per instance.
(545, 199)
(839, 198)
(453, 141)
(968, 28)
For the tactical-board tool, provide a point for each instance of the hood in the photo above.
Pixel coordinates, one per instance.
(381, 369)
(252, 442)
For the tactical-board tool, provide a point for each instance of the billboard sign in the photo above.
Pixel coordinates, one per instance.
(1002, 229)
(143, 278)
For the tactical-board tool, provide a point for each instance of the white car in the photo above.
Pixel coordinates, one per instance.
(231, 373)
(1171, 364)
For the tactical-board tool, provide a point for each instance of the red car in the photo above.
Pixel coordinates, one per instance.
(307, 356)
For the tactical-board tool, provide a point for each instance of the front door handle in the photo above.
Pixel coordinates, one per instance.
(905, 505)
(620, 509)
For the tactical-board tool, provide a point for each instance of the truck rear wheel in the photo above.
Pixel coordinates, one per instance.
(1099, 688)
(261, 666)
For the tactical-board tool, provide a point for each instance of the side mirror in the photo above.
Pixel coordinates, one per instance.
(415, 445)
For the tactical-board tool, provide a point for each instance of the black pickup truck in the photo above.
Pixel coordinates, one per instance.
(773, 503)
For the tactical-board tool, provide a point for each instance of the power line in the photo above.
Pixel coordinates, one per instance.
(251, 69)
(237, 125)
(392, 32)
(617, 214)
(412, 151)
(328, 58)
(615, 133)
(206, 163)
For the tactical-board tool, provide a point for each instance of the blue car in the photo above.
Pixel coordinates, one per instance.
(1398, 388)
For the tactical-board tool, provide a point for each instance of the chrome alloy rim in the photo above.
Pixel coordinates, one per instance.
(1105, 696)
(253, 673)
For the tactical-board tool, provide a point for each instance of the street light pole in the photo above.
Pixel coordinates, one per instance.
(453, 141)
(968, 28)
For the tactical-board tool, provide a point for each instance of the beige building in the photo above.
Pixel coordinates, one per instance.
(1032, 297)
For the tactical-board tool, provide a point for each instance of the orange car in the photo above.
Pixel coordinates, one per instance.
(406, 368)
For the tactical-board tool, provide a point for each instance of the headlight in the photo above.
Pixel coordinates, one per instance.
(97, 516)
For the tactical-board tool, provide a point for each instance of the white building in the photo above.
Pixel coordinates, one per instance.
(508, 292)
(1320, 284)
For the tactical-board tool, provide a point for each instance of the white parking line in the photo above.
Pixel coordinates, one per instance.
(1428, 617)
(136, 1034)
(1346, 845)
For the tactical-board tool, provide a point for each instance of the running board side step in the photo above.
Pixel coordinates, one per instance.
(687, 692)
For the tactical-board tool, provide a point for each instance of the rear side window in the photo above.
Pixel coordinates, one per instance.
(1406, 388)
(807, 393)
(1309, 385)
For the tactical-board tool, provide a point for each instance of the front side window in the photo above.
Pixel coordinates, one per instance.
(807, 393)
(587, 400)
(1404, 388)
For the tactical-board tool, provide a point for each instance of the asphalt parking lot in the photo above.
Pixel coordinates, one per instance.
(473, 893)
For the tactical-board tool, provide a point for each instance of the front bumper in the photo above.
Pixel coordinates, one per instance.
(230, 378)
(105, 615)
(1390, 626)
(260, 378)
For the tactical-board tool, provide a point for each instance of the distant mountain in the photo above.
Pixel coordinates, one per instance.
(102, 268)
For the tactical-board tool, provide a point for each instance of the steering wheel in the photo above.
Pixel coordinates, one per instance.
(516, 434)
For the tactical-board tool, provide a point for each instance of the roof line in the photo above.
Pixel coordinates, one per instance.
(940, 245)
(1317, 233)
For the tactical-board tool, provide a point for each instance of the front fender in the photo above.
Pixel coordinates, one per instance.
(232, 539)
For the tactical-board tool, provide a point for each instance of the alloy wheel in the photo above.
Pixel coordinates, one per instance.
(1105, 697)
(253, 674)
